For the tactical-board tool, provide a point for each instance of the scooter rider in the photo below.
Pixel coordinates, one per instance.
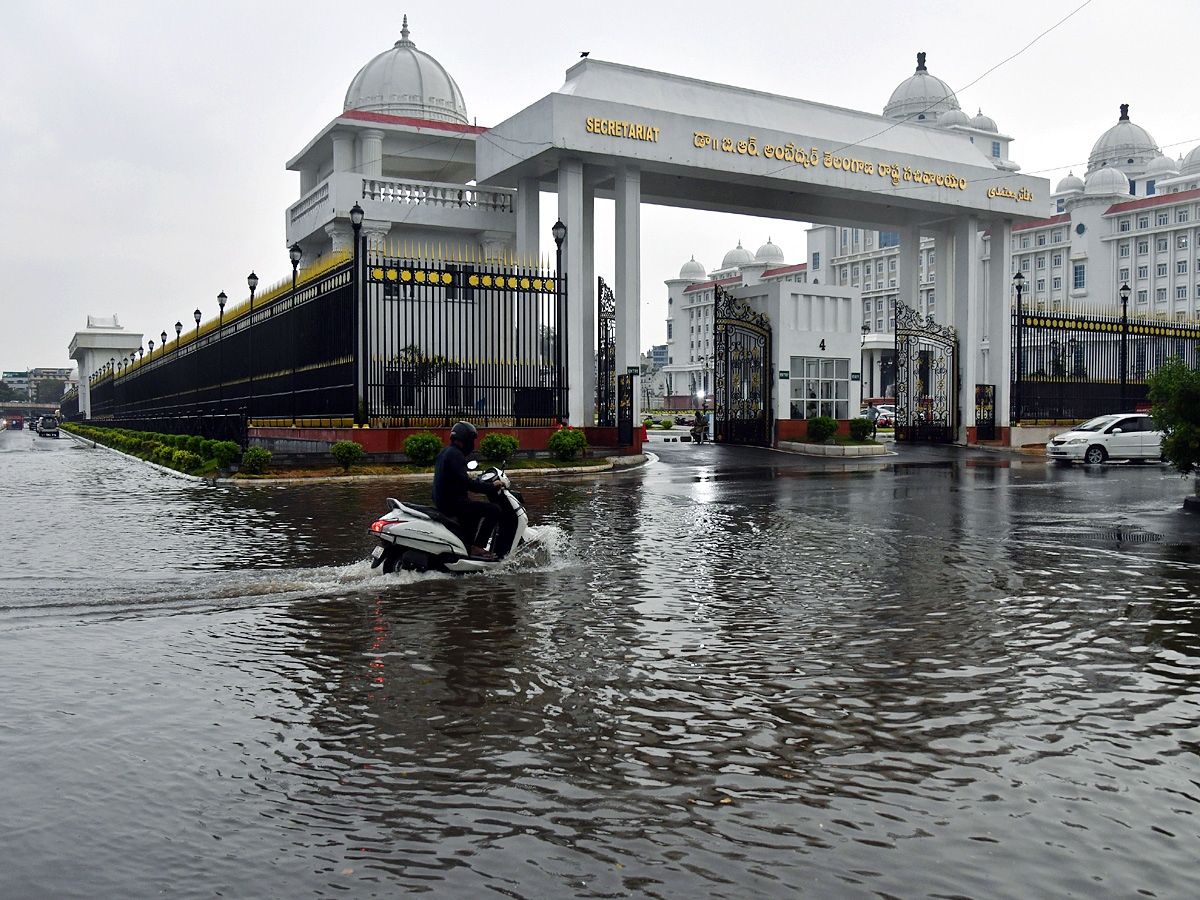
(452, 481)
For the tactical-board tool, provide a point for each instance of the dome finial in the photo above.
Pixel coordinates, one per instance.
(1124, 112)
(404, 41)
(921, 61)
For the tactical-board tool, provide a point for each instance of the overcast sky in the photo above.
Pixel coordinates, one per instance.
(142, 144)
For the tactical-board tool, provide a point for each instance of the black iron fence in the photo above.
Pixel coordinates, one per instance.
(467, 338)
(287, 358)
(1074, 367)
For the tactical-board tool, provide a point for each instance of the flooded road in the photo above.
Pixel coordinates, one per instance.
(731, 673)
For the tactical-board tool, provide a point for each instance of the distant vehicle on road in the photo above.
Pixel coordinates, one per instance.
(1129, 436)
(47, 426)
(16, 423)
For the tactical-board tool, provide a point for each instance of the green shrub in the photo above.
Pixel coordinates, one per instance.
(667, 424)
(186, 460)
(194, 443)
(498, 447)
(225, 452)
(206, 448)
(860, 429)
(822, 428)
(163, 453)
(347, 453)
(255, 460)
(423, 448)
(567, 443)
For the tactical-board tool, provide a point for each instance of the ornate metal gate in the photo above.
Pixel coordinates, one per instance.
(625, 410)
(742, 364)
(985, 412)
(606, 357)
(926, 378)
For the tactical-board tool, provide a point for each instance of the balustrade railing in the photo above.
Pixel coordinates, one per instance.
(439, 195)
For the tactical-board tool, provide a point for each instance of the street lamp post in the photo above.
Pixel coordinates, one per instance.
(862, 365)
(559, 230)
(360, 311)
(164, 342)
(1124, 348)
(221, 299)
(1019, 285)
(295, 253)
(178, 335)
(252, 283)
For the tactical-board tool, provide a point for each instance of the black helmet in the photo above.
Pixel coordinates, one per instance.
(465, 432)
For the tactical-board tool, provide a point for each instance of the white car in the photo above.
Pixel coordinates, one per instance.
(1128, 436)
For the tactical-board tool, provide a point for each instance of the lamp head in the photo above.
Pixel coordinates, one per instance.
(221, 298)
(164, 338)
(178, 329)
(356, 216)
(559, 230)
(1018, 281)
(1125, 293)
(196, 316)
(295, 253)
(252, 281)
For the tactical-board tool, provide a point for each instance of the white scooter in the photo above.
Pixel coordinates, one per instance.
(419, 538)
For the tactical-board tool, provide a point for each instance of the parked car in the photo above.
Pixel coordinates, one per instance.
(47, 426)
(886, 418)
(1124, 436)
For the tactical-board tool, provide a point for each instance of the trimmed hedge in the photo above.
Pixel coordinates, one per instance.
(422, 449)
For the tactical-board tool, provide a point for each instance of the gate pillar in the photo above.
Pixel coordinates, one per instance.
(628, 195)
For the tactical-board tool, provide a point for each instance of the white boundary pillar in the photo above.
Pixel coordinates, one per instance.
(627, 281)
(999, 317)
(528, 219)
(969, 310)
(575, 335)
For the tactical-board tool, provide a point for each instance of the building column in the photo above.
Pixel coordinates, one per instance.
(528, 219)
(343, 152)
(968, 309)
(372, 153)
(577, 341)
(588, 309)
(627, 191)
(908, 266)
(997, 367)
(342, 236)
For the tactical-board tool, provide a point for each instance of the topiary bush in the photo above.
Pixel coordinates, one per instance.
(423, 448)
(225, 453)
(194, 444)
(498, 447)
(567, 443)
(206, 448)
(185, 460)
(666, 424)
(347, 453)
(860, 429)
(822, 428)
(255, 460)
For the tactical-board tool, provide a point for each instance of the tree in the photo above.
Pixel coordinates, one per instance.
(1175, 393)
(9, 393)
(50, 390)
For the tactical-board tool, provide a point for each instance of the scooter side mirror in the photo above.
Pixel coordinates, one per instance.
(473, 465)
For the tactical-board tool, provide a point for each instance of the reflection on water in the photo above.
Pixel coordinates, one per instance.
(733, 673)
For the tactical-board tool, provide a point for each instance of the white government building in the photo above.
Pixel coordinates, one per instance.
(1130, 220)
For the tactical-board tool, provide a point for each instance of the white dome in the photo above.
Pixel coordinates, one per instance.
(1106, 181)
(1123, 144)
(403, 81)
(921, 96)
(1071, 183)
(738, 256)
(984, 123)
(1162, 166)
(1191, 162)
(953, 117)
(693, 271)
(770, 254)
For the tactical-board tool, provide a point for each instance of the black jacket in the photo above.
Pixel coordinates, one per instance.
(452, 480)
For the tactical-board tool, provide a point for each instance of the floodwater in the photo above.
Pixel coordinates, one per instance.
(732, 673)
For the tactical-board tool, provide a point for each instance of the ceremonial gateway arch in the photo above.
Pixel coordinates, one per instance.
(637, 136)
